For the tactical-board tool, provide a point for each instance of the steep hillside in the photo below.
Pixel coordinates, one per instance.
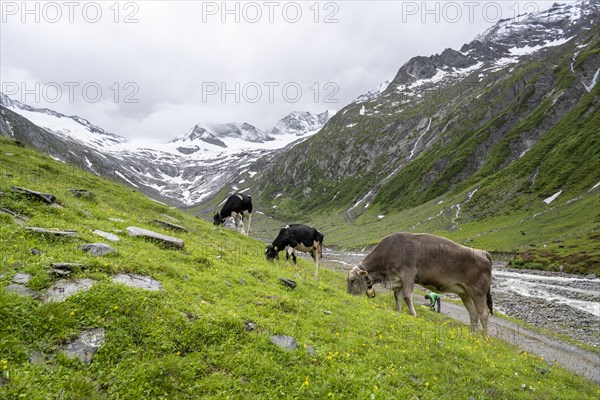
(506, 122)
(205, 322)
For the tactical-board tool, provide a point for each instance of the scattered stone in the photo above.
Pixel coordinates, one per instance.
(250, 326)
(19, 219)
(55, 205)
(170, 225)
(311, 350)
(35, 251)
(284, 342)
(87, 213)
(138, 281)
(590, 276)
(23, 279)
(61, 273)
(241, 282)
(191, 317)
(64, 270)
(55, 232)
(86, 345)
(135, 231)
(37, 358)
(46, 197)
(107, 235)
(116, 220)
(97, 249)
(228, 284)
(22, 291)
(173, 220)
(327, 312)
(63, 289)
(82, 193)
(288, 282)
(67, 266)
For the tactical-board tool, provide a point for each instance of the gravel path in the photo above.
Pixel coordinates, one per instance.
(567, 304)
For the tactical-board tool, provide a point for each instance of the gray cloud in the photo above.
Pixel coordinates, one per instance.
(152, 70)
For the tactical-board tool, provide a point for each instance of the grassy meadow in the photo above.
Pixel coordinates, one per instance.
(192, 338)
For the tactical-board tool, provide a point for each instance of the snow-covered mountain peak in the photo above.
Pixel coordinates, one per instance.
(74, 127)
(373, 93)
(301, 123)
(504, 44)
(243, 131)
(537, 28)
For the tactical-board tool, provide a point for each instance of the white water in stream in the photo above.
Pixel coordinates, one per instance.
(553, 288)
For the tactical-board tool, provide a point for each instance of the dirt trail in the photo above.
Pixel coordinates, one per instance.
(582, 362)
(571, 357)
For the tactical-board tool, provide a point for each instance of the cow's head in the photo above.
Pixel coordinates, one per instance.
(271, 253)
(217, 220)
(358, 282)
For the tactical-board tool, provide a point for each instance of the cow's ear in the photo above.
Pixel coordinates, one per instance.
(363, 273)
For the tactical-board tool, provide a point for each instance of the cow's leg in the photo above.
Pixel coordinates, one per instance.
(470, 306)
(398, 298)
(290, 251)
(249, 218)
(236, 220)
(407, 292)
(317, 256)
(479, 299)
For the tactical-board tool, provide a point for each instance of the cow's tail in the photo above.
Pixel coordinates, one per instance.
(489, 301)
(490, 304)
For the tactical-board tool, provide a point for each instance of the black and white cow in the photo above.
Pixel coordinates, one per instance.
(297, 237)
(238, 206)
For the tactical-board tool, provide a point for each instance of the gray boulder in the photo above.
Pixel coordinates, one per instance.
(145, 233)
(21, 278)
(138, 281)
(284, 342)
(86, 345)
(97, 249)
(22, 291)
(107, 235)
(63, 289)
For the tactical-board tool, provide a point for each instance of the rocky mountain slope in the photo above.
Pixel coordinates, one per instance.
(510, 118)
(182, 172)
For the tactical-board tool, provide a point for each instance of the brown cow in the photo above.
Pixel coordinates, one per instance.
(439, 264)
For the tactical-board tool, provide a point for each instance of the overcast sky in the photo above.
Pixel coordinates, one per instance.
(151, 70)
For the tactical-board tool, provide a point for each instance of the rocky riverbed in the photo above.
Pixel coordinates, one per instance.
(562, 303)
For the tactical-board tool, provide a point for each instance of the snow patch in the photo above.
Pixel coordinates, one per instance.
(596, 186)
(593, 83)
(553, 197)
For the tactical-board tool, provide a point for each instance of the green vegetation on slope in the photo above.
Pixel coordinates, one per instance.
(189, 340)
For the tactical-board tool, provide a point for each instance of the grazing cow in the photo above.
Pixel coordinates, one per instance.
(297, 237)
(439, 264)
(238, 206)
